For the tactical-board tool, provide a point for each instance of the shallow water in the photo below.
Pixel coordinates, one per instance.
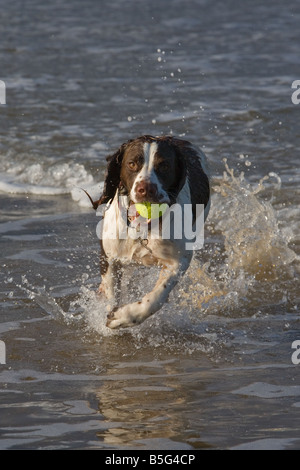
(213, 369)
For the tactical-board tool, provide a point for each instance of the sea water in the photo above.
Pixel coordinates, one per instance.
(213, 368)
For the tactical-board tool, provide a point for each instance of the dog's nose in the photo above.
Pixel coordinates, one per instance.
(146, 191)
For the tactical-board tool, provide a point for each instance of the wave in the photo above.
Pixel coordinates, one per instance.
(38, 179)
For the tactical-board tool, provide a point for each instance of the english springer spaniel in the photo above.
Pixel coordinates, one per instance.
(156, 170)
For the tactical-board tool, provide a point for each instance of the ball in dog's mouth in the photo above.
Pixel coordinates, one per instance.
(149, 210)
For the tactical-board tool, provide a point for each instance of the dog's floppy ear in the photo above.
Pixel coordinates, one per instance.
(112, 177)
(197, 178)
(180, 170)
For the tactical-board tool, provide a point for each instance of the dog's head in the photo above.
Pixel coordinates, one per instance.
(147, 169)
(151, 169)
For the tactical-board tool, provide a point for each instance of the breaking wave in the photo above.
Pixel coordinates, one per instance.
(45, 180)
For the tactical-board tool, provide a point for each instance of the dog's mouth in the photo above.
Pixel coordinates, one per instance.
(133, 213)
(145, 212)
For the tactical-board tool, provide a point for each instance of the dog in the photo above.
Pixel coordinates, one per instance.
(157, 170)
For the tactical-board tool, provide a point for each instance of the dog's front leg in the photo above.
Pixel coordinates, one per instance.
(135, 313)
(111, 281)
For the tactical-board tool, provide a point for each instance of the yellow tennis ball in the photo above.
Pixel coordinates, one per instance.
(149, 210)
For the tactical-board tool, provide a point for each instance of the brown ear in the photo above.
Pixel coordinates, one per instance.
(197, 178)
(112, 177)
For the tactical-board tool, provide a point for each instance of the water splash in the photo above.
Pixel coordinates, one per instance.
(253, 241)
(246, 252)
(44, 299)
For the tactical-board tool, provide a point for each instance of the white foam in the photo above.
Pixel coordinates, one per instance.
(9, 186)
(36, 179)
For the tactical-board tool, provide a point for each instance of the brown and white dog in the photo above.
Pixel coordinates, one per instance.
(156, 170)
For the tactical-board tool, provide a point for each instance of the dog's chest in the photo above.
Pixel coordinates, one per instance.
(126, 244)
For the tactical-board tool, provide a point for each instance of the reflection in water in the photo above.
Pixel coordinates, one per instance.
(149, 404)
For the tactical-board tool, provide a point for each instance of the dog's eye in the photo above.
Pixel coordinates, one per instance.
(132, 165)
(164, 166)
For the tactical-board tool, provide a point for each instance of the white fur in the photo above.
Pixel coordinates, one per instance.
(147, 173)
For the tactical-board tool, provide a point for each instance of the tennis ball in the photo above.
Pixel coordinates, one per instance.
(149, 210)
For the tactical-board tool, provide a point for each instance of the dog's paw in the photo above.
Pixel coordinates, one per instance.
(123, 317)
